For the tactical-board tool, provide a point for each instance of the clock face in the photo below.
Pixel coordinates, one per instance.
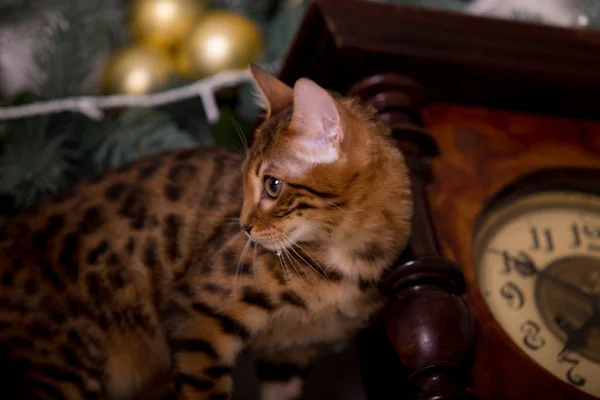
(538, 269)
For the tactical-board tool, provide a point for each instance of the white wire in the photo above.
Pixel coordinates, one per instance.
(93, 106)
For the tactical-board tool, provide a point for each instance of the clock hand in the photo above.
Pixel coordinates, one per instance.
(577, 338)
(524, 265)
(566, 285)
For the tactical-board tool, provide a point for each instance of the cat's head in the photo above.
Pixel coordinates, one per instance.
(321, 167)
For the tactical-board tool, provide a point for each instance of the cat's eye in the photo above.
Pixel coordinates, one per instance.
(273, 186)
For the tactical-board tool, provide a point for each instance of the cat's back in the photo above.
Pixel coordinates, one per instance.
(136, 210)
(80, 266)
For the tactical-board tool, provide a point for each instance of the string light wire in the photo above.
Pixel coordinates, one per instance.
(93, 106)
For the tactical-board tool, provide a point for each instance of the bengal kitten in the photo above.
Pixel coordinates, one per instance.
(145, 270)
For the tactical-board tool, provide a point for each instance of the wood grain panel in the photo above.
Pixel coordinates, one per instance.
(483, 150)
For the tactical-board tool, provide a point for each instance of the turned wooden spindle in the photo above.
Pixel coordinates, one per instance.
(428, 323)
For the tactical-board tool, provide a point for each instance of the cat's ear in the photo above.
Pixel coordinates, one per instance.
(316, 122)
(274, 95)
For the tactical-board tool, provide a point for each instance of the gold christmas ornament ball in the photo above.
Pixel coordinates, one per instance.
(137, 69)
(164, 22)
(220, 41)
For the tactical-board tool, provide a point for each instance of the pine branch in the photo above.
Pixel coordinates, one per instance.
(135, 133)
(35, 161)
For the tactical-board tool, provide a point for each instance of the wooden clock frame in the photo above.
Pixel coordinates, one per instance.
(422, 68)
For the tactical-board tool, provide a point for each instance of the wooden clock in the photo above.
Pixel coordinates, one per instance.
(498, 295)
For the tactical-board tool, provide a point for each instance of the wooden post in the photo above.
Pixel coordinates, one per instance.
(428, 323)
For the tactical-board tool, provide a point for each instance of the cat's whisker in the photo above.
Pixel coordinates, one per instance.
(222, 215)
(291, 245)
(334, 205)
(293, 263)
(234, 163)
(226, 245)
(241, 260)
(230, 223)
(241, 135)
(254, 245)
(281, 260)
(287, 273)
(330, 226)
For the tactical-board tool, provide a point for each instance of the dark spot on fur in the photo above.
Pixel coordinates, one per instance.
(156, 270)
(333, 275)
(31, 287)
(124, 168)
(171, 232)
(94, 254)
(228, 324)
(135, 208)
(218, 396)
(116, 278)
(38, 329)
(318, 193)
(257, 298)
(245, 268)
(229, 261)
(13, 305)
(201, 385)
(236, 268)
(371, 252)
(130, 247)
(149, 170)
(193, 346)
(152, 221)
(41, 238)
(97, 289)
(17, 264)
(173, 192)
(174, 310)
(388, 216)
(78, 308)
(185, 289)
(184, 155)
(75, 338)
(353, 178)
(114, 191)
(140, 318)
(277, 270)
(102, 321)
(278, 372)
(115, 274)
(58, 317)
(292, 298)
(70, 357)
(7, 279)
(49, 272)
(69, 255)
(215, 289)
(217, 371)
(113, 260)
(92, 220)
(364, 284)
(182, 173)
(55, 373)
(18, 341)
